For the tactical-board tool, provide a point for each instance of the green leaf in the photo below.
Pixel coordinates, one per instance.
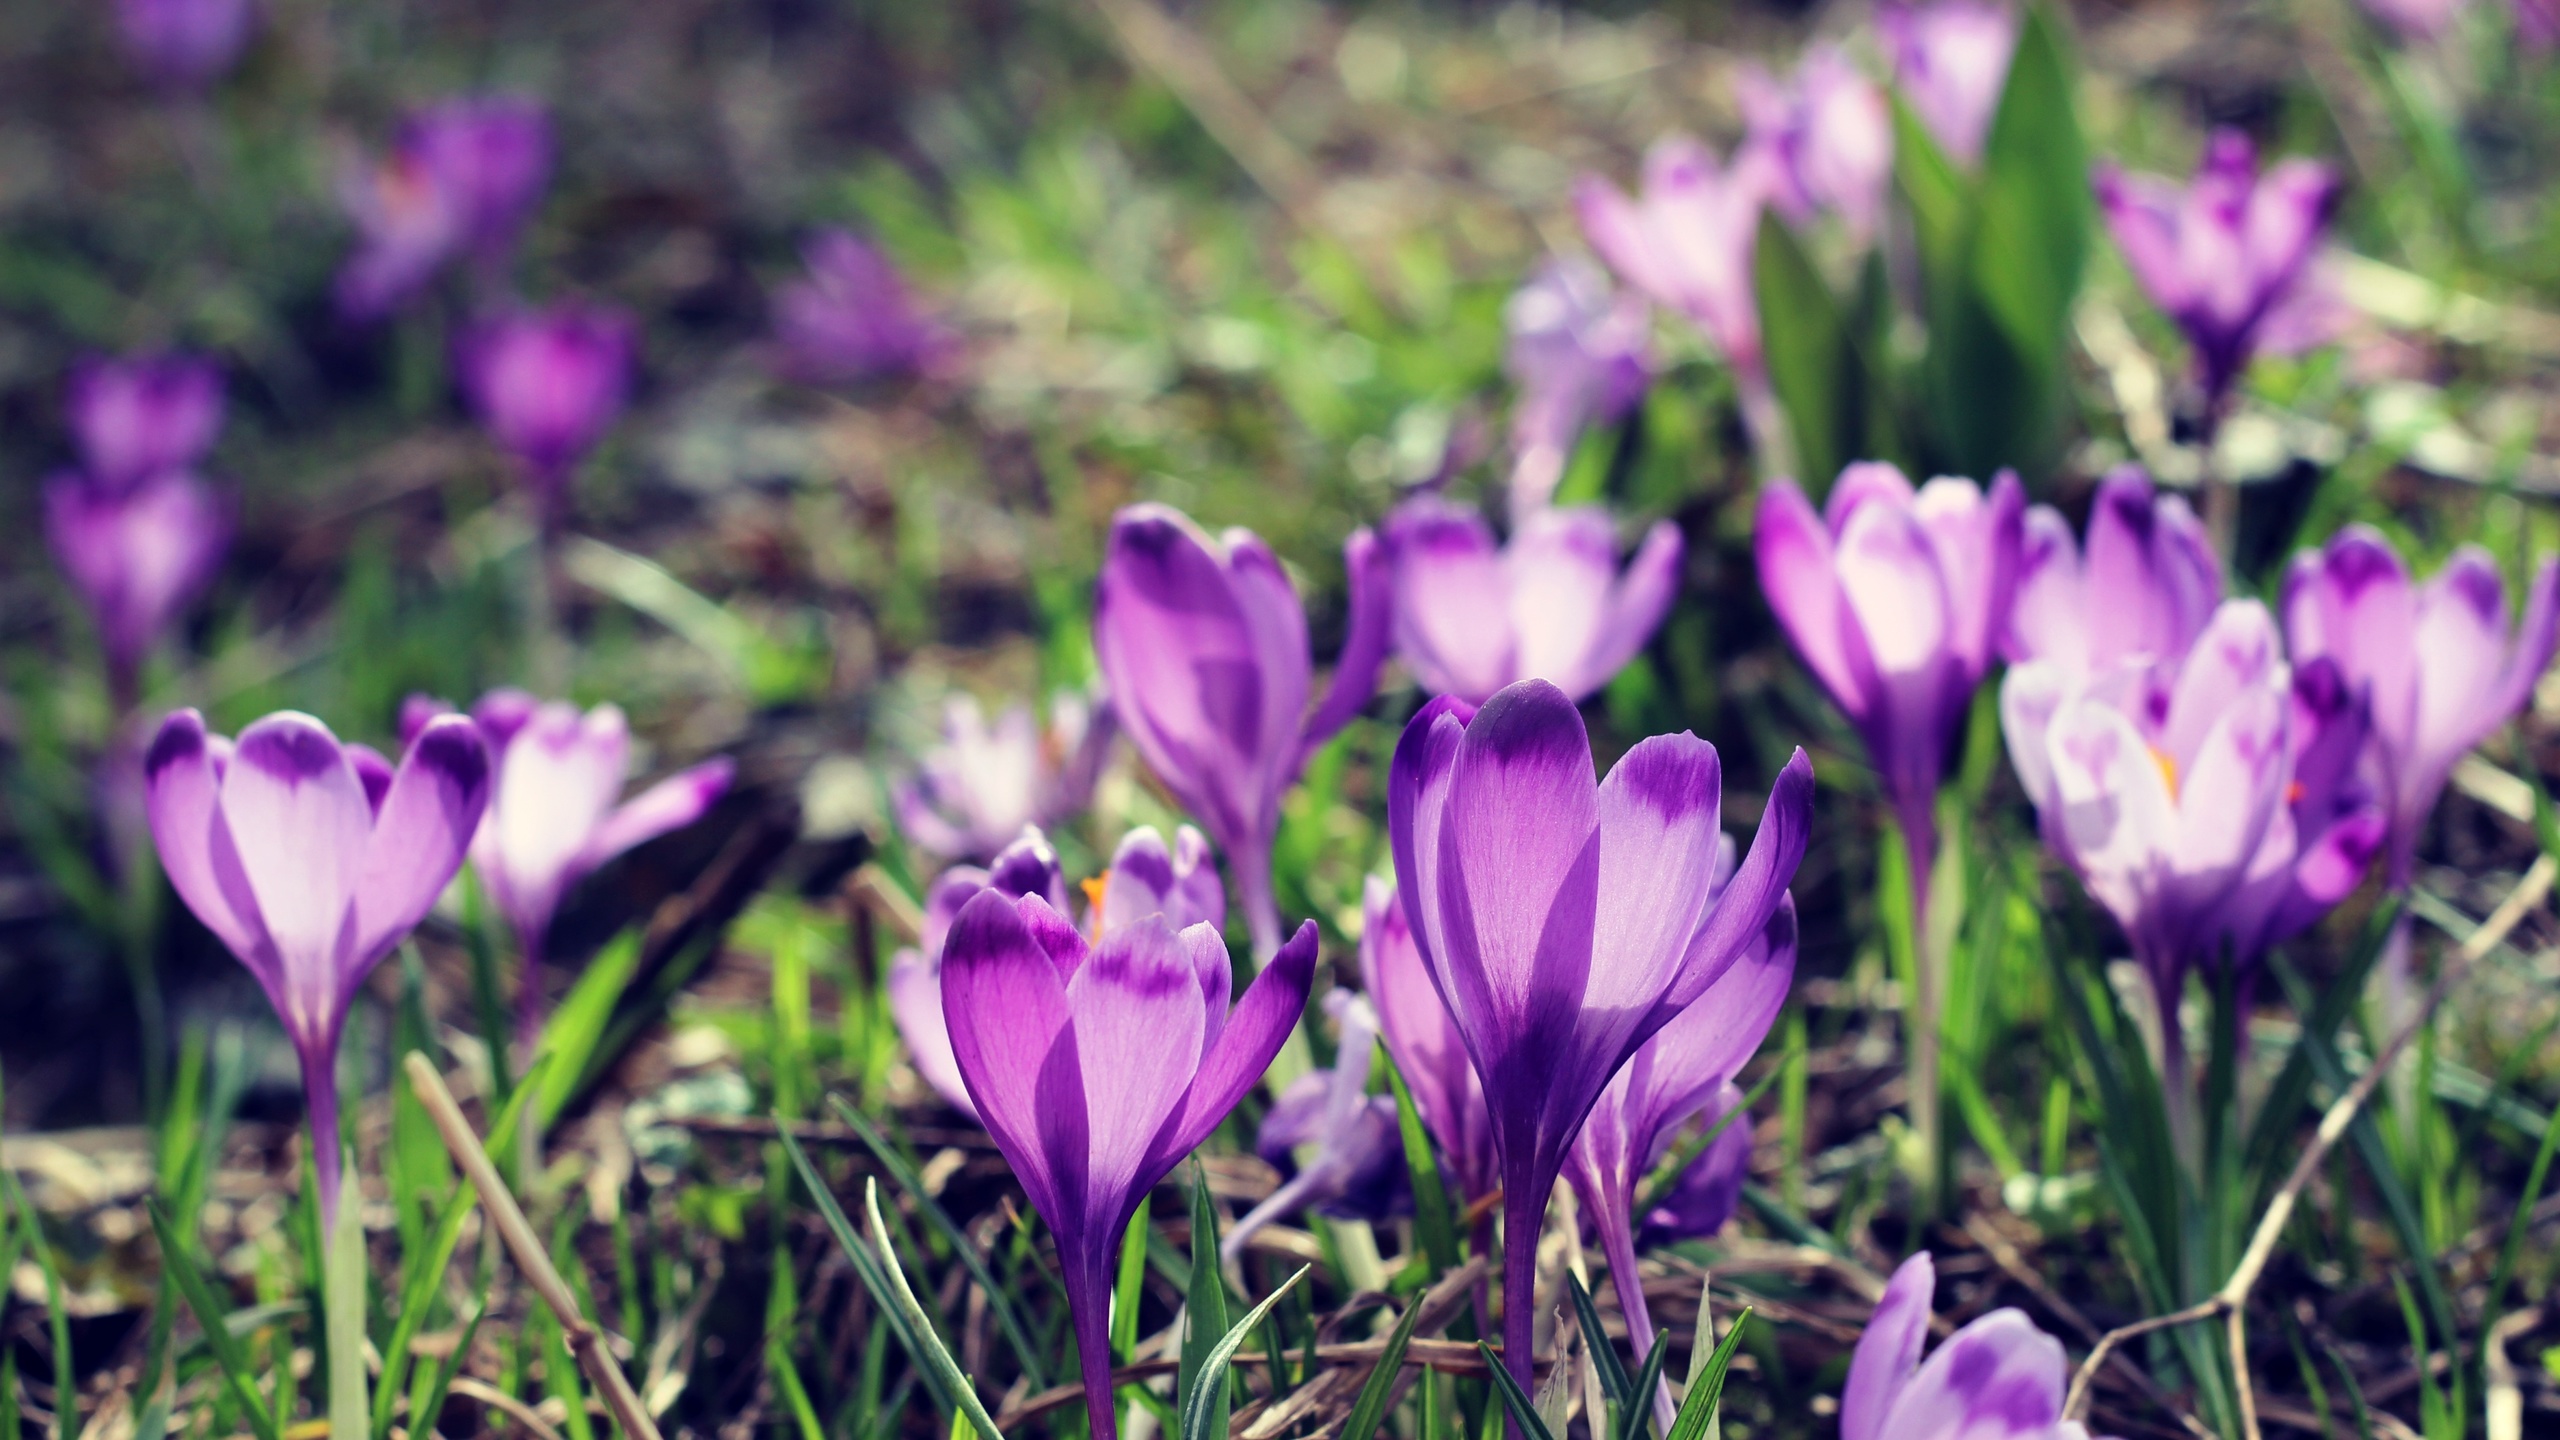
(425, 1277)
(866, 1265)
(934, 1356)
(1604, 1357)
(1132, 1278)
(1522, 1412)
(1635, 1418)
(213, 1319)
(1435, 1226)
(1939, 195)
(2032, 236)
(1371, 1406)
(1706, 1385)
(578, 1026)
(1205, 1417)
(1812, 366)
(1207, 1307)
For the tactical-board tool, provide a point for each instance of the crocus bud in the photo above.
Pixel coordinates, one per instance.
(547, 384)
(138, 557)
(1951, 60)
(1471, 618)
(1999, 1375)
(1829, 134)
(1580, 356)
(310, 860)
(185, 44)
(1686, 239)
(2141, 591)
(2438, 661)
(2230, 256)
(853, 317)
(976, 790)
(133, 419)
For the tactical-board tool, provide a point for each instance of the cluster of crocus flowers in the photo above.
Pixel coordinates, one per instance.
(547, 384)
(1566, 920)
(185, 45)
(135, 529)
(1829, 132)
(1579, 355)
(1951, 63)
(310, 860)
(462, 178)
(1098, 1061)
(556, 812)
(973, 793)
(1998, 1376)
(1472, 616)
(2231, 256)
(1686, 1069)
(1686, 240)
(1146, 878)
(1203, 645)
(852, 317)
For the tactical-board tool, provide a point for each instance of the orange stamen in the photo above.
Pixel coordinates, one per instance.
(1094, 890)
(2168, 769)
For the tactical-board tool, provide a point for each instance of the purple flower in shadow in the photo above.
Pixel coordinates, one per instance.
(185, 44)
(974, 792)
(134, 419)
(138, 556)
(547, 384)
(1357, 1170)
(853, 317)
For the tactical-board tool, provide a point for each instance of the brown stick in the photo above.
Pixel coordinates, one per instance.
(585, 1340)
(2233, 1298)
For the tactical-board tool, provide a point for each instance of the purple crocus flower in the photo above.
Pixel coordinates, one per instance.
(1425, 1044)
(2230, 256)
(1998, 1376)
(853, 316)
(1098, 1064)
(2142, 591)
(1829, 133)
(1204, 648)
(1710, 1190)
(1358, 1169)
(547, 384)
(133, 419)
(2324, 833)
(2438, 661)
(975, 791)
(1566, 921)
(1579, 355)
(556, 813)
(138, 555)
(2537, 24)
(464, 174)
(1145, 878)
(2418, 20)
(1471, 617)
(310, 860)
(185, 44)
(1896, 600)
(1686, 239)
(1951, 62)
(1689, 1062)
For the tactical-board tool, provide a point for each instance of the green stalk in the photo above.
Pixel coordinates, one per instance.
(343, 1301)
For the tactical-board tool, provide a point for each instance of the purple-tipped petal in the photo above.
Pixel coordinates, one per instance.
(1004, 1002)
(196, 850)
(299, 817)
(424, 829)
(1365, 640)
(1889, 1351)
(1262, 1019)
(669, 805)
(1659, 809)
(1792, 547)
(1140, 1019)
(1518, 881)
(914, 986)
(1451, 599)
(1758, 889)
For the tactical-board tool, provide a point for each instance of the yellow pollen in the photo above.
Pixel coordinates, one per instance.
(2168, 769)
(1094, 890)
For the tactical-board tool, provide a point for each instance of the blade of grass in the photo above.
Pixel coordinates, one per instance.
(1635, 1418)
(935, 1356)
(1595, 1340)
(237, 1374)
(1706, 1386)
(1435, 1227)
(1206, 1305)
(866, 1265)
(1371, 1406)
(1204, 1418)
(1522, 1410)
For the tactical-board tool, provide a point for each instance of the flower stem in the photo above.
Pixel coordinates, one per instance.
(1524, 1212)
(1093, 1342)
(342, 1301)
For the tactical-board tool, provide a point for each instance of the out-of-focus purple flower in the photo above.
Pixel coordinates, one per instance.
(1472, 617)
(1710, 1190)
(1686, 239)
(1579, 355)
(2416, 19)
(2537, 24)
(1145, 878)
(2142, 591)
(1204, 649)
(1424, 1042)
(1830, 134)
(1097, 1065)
(1358, 1170)
(2230, 255)
(975, 791)
(2324, 833)
(133, 419)
(2159, 783)
(1671, 1078)
(1951, 61)
(310, 860)
(2437, 661)
(1565, 921)
(138, 556)
(1998, 1376)
(547, 384)
(1896, 599)
(853, 317)
(463, 174)
(557, 813)
(185, 44)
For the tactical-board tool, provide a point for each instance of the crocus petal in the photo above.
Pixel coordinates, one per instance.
(1792, 547)
(1976, 538)
(196, 849)
(1753, 897)
(1889, 1351)
(1004, 1002)
(671, 804)
(425, 828)
(1449, 589)
(1636, 607)
(1263, 1017)
(1365, 641)
(1999, 1376)
(373, 771)
(915, 1004)
(1139, 1018)
(301, 822)
(1658, 814)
